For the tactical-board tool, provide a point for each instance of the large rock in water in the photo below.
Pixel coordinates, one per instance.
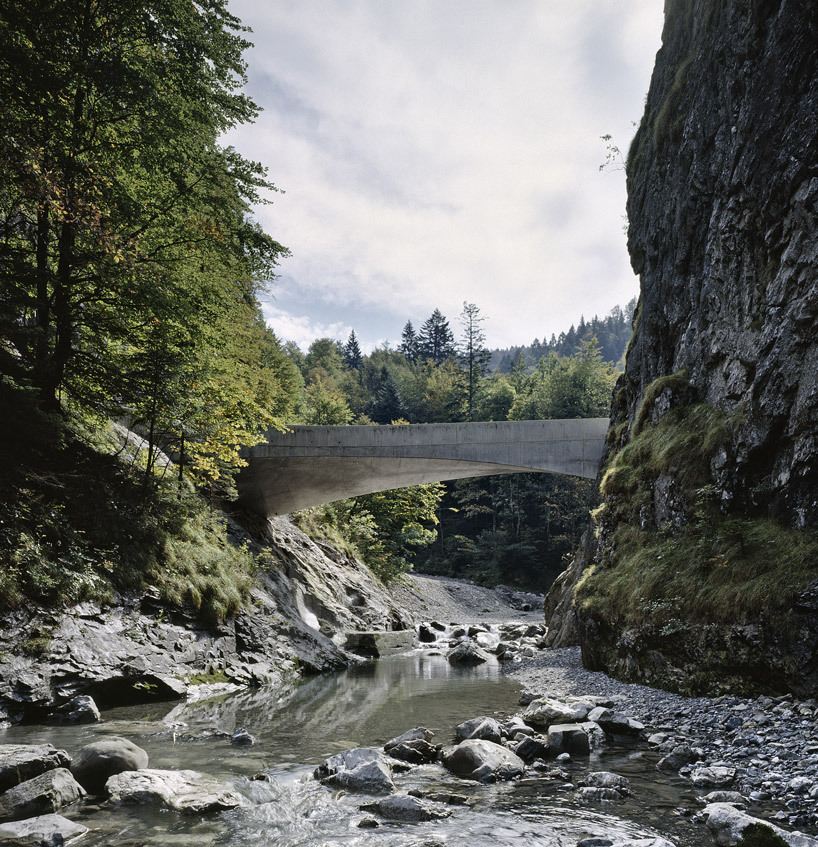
(46, 793)
(96, 762)
(185, 791)
(360, 769)
(722, 370)
(42, 831)
(482, 760)
(19, 762)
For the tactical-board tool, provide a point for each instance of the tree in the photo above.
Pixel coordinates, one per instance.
(386, 405)
(474, 355)
(353, 359)
(435, 340)
(127, 250)
(408, 346)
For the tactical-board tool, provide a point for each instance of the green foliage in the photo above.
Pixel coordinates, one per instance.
(67, 536)
(384, 529)
(683, 442)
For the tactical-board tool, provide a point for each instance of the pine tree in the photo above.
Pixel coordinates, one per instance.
(353, 359)
(474, 355)
(408, 346)
(435, 339)
(386, 406)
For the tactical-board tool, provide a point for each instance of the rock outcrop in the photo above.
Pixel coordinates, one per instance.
(140, 648)
(701, 572)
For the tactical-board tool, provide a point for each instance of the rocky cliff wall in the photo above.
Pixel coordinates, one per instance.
(702, 569)
(304, 602)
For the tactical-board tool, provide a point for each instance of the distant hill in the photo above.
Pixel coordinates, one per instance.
(612, 334)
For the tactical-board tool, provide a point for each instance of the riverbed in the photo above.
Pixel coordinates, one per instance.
(299, 726)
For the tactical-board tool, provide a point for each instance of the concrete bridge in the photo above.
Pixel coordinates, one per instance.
(310, 465)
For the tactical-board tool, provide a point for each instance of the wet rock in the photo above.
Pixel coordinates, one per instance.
(368, 823)
(79, 709)
(604, 787)
(41, 795)
(426, 635)
(413, 746)
(242, 738)
(403, 807)
(728, 825)
(482, 727)
(360, 769)
(377, 644)
(732, 797)
(446, 797)
(96, 762)
(467, 653)
(184, 791)
(482, 760)
(19, 762)
(42, 831)
(568, 738)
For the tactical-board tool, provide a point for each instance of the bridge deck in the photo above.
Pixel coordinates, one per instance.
(309, 465)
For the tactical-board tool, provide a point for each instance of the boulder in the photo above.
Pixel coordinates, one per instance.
(19, 762)
(568, 738)
(96, 762)
(42, 831)
(79, 709)
(185, 791)
(712, 777)
(543, 712)
(360, 769)
(483, 727)
(482, 760)
(402, 807)
(40, 795)
(467, 653)
(728, 826)
(679, 756)
(615, 722)
(419, 733)
(732, 797)
(242, 738)
(426, 635)
(604, 786)
(532, 747)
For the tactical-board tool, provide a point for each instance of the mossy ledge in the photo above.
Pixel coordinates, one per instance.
(682, 592)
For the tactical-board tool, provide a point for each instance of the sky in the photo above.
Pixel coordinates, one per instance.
(431, 152)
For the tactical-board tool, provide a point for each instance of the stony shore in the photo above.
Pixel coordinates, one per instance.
(766, 749)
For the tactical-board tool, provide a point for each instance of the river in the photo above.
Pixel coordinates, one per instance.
(366, 705)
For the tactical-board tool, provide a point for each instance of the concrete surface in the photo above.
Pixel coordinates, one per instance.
(309, 465)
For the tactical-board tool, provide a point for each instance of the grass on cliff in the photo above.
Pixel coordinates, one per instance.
(710, 566)
(76, 524)
(731, 572)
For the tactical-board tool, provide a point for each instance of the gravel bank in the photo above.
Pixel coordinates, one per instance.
(448, 600)
(765, 748)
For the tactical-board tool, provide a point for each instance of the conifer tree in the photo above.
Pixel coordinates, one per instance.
(353, 359)
(435, 339)
(474, 355)
(408, 346)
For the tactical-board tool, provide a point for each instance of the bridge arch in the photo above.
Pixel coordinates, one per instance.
(310, 465)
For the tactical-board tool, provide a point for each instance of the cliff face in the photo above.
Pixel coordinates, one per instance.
(710, 484)
(304, 602)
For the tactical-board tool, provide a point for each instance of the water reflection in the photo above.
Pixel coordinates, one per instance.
(300, 724)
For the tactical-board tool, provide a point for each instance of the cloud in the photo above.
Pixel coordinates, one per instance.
(447, 150)
(302, 329)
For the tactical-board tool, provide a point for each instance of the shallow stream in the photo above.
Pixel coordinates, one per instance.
(363, 706)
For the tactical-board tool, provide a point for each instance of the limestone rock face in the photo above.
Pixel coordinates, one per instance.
(723, 231)
(141, 648)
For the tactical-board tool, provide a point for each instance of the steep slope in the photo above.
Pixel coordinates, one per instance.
(702, 569)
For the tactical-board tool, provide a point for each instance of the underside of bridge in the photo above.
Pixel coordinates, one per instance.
(310, 465)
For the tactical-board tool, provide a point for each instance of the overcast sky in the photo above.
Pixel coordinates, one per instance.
(436, 151)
